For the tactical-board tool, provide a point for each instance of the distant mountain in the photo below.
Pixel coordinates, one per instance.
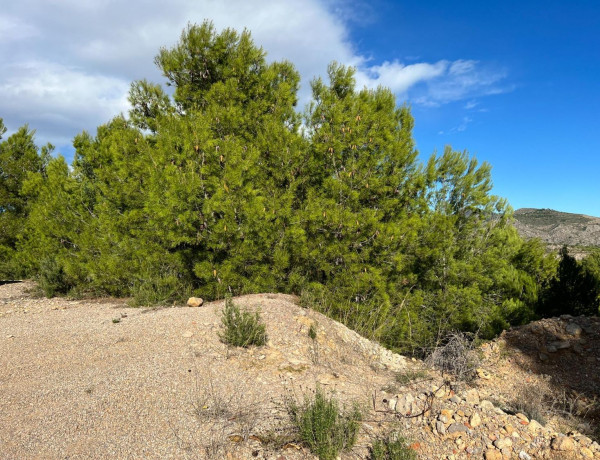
(558, 228)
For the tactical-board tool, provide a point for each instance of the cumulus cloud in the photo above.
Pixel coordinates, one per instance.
(68, 63)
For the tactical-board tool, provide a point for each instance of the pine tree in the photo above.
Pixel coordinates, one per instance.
(19, 157)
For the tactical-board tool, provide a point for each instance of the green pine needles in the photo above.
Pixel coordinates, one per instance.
(223, 186)
(241, 328)
(323, 426)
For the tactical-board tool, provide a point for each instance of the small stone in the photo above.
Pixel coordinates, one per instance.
(573, 329)
(405, 404)
(509, 429)
(544, 357)
(524, 455)
(522, 417)
(195, 302)
(483, 374)
(559, 345)
(502, 443)
(534, 426)
(563, 443)
(457, 429)
(455, 399)
(440, 427)
(493, 454)
(485, 404)
(475, 420)
(472, 396)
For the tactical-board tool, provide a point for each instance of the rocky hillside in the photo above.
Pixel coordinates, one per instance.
(558, 228)
(95, 379)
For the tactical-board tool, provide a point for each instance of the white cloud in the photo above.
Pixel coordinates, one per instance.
(57, 100)
(398, 77)
(68, 63)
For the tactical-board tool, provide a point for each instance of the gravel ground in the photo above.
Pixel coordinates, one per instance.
(96, 379)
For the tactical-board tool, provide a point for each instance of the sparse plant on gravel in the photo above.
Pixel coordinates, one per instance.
(323, 426)
(392, 447)
(529, 400)
(456, 357)
(241, 328)
(411, 375)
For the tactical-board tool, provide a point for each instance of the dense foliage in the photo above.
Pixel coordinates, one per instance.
(575, 289)
(224, 188)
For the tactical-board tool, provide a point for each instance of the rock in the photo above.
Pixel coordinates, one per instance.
(573, 329)
(472, 396)
(586, 453)
(524, 455)
(553, 347)
(563, 444)
(475, 420)
(487, 405)
(483, 374)
(492, 454)
(522, 417)
(543, 357)
(195, 302)
(392, 404)
(457, 429)
(455, 399)
(503, 443)
(440, 427)
(405, 404)
(534, 426)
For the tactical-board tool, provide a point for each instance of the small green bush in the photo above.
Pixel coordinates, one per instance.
(323, 427)
(312, 332)
(241, 328)
(159, 289)
(52, 279)
(394, 447)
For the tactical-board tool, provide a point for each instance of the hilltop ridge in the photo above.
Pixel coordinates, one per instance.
(558, 228)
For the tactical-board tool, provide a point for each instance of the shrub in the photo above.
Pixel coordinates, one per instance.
(323, 427)
(529, 400)
(393, 447)
(241, 328)
(455, 357)
(52, 279)
(162, 288)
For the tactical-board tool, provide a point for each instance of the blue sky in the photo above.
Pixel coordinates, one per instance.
(513, 83)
